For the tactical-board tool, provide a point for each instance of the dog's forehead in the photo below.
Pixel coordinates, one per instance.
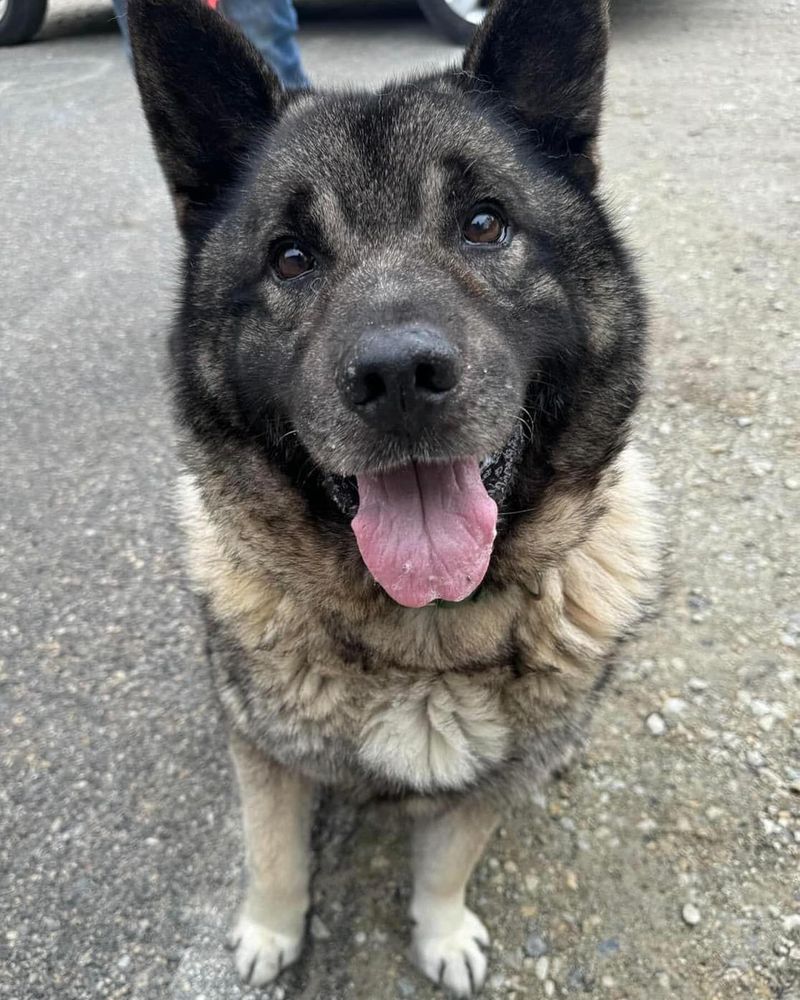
(406, 123)
(364, 145)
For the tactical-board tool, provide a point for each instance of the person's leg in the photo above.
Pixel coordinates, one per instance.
(271, 25)
(121, 14)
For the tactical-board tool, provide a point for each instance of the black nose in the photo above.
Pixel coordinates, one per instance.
(396, 379)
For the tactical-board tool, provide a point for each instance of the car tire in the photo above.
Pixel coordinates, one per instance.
(444, 16)
(20, 20)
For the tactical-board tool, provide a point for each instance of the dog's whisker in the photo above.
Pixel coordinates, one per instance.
(288, 434)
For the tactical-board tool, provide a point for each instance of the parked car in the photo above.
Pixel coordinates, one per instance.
(20, 20)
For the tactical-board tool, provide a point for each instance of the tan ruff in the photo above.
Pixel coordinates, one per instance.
(445, 689)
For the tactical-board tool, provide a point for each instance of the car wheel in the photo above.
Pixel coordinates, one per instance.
(455, 19)
(20, 20)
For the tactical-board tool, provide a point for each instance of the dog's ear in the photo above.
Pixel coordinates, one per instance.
(207, 96)
(546, 59)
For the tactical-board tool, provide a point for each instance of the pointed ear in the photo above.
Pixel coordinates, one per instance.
(546, 59)
(207, 96)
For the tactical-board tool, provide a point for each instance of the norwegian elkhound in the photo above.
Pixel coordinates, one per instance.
(407, 353)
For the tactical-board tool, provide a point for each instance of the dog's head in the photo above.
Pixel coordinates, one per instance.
(409, 299)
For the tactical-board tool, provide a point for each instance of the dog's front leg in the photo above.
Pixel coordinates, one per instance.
(448, 939)
(276, 811)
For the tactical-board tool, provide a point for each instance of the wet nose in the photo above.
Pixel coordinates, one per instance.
(397, 379)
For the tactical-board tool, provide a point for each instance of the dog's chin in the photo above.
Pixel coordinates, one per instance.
(498, 472)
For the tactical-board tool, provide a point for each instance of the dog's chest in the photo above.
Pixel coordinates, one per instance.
(440, 733)
(413, 699)
(427, 733)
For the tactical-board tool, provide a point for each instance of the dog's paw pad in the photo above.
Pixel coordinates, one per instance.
(261, 954)
(455, 960)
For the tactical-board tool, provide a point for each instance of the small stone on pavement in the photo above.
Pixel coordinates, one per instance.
(691, 915)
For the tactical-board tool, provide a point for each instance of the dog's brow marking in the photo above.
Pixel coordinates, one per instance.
(325, 208)
(434, 182)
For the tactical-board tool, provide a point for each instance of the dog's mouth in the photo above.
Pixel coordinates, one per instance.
(426, 530)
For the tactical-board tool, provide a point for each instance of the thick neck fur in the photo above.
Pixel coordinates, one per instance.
(260, 540)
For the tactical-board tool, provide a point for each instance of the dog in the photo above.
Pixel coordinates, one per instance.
(406, 358)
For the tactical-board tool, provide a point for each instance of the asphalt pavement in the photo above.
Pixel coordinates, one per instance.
(666, 864)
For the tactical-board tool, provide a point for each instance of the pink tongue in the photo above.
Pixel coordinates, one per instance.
(426, 531)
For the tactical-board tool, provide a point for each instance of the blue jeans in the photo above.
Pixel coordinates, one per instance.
(271, 25)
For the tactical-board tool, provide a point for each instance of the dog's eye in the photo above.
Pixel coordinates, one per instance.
(291, 261)
(485, 225)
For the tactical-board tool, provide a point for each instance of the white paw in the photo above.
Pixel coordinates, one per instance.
(455, 960)
(260, 953)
